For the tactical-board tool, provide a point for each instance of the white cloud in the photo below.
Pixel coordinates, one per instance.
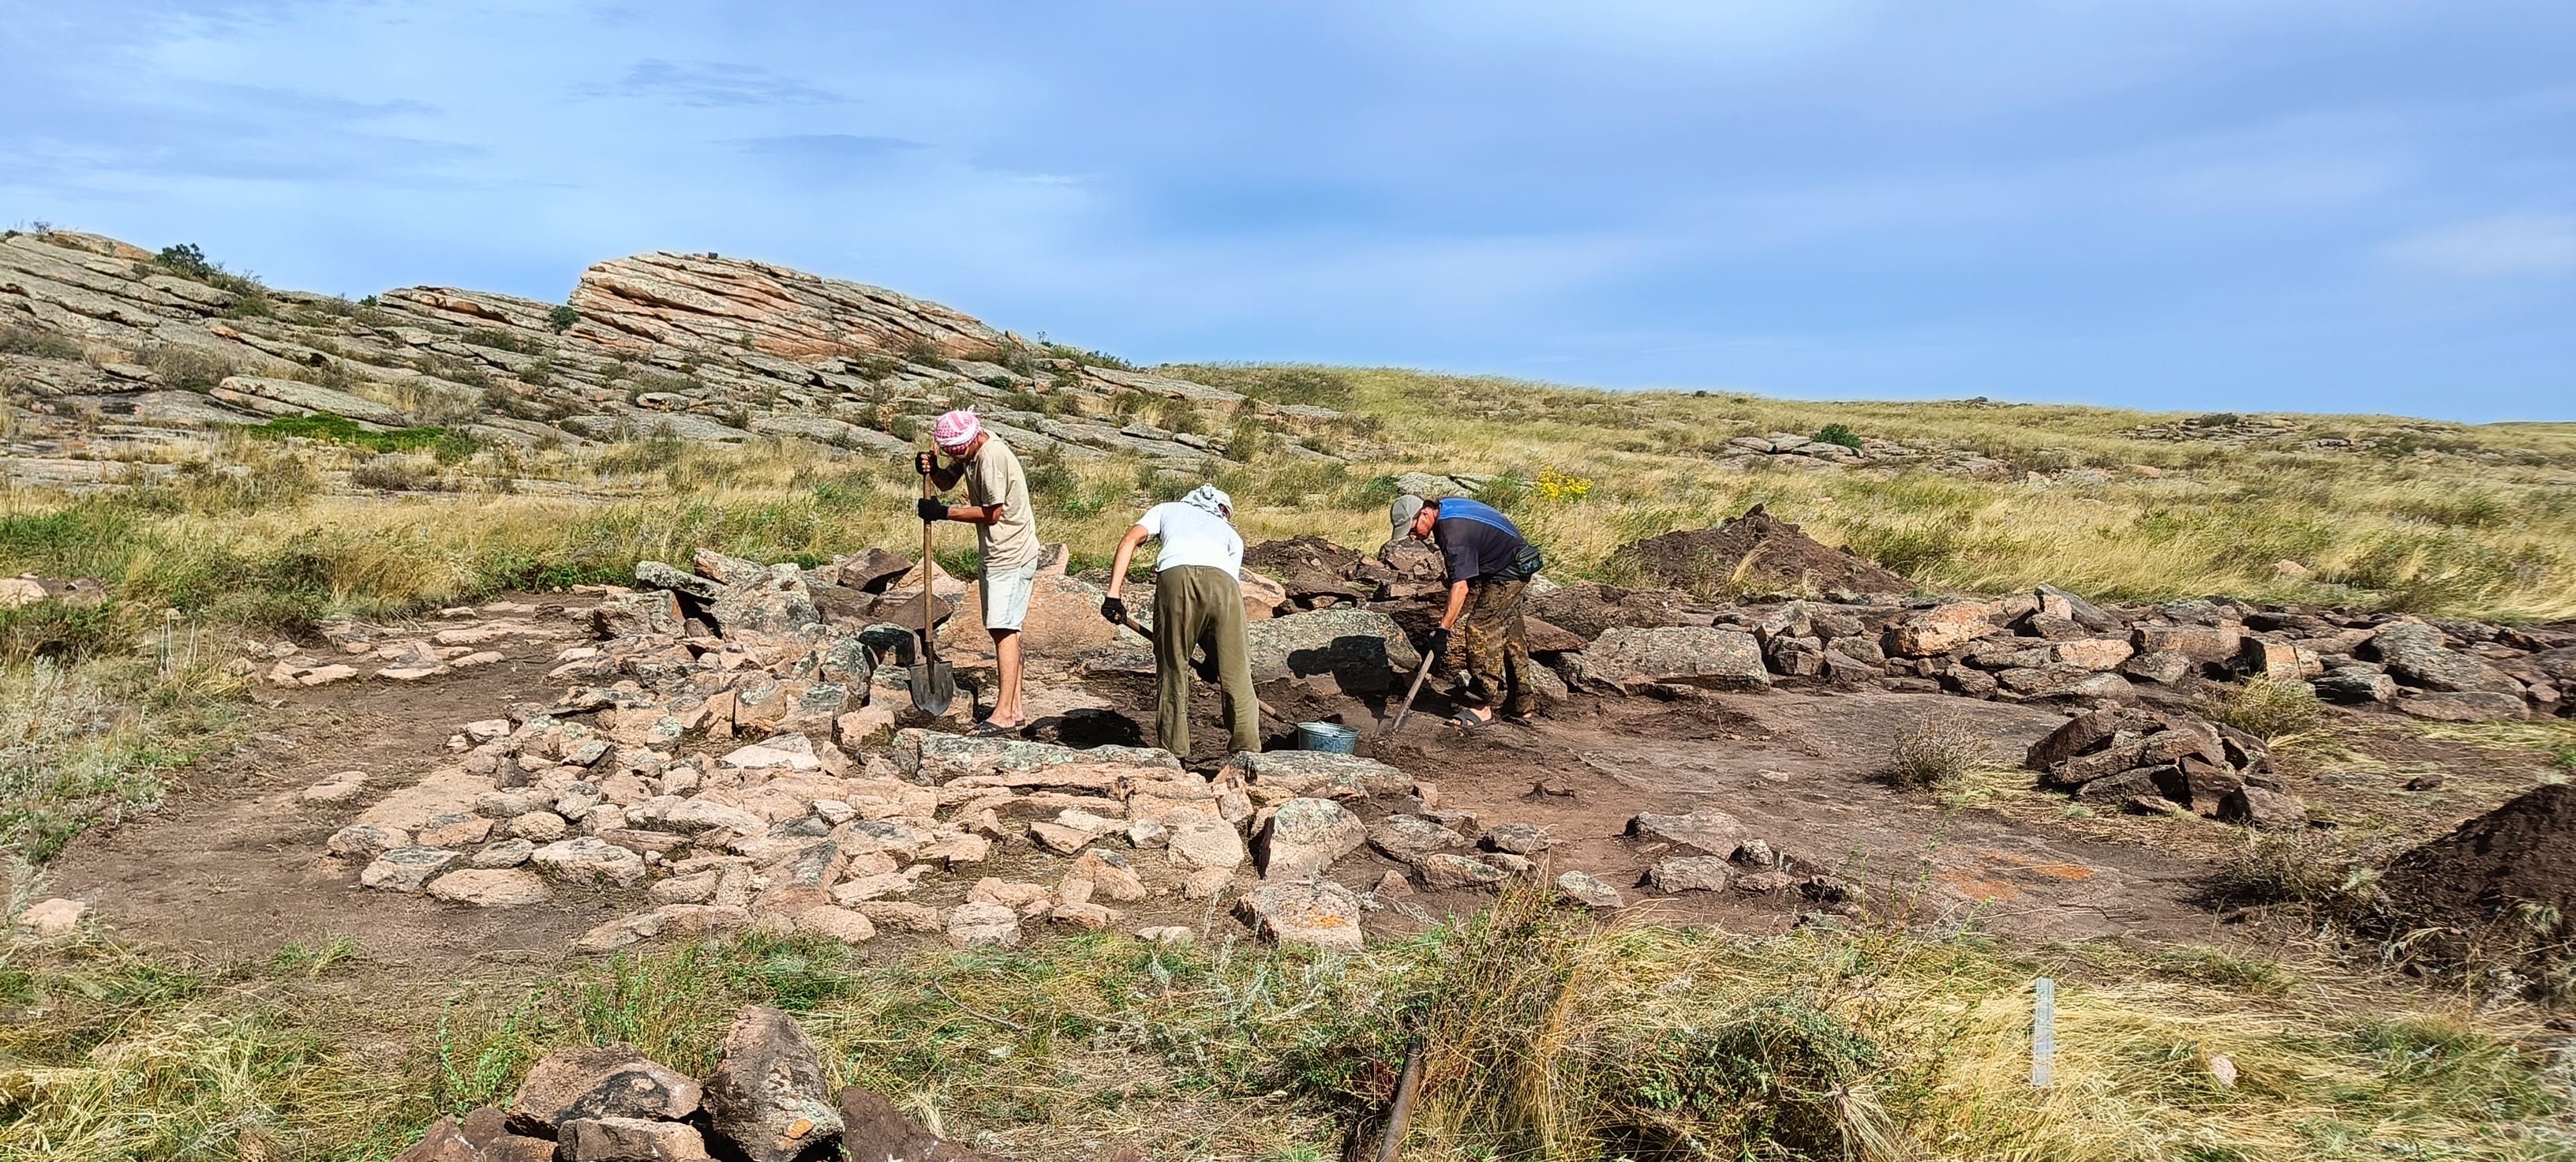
(2510, 244)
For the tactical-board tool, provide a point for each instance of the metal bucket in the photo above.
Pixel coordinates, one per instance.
(1328, 737)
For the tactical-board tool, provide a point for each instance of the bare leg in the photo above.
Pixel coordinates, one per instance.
(1007, 710)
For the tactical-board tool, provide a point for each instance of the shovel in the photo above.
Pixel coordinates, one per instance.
(934, 685)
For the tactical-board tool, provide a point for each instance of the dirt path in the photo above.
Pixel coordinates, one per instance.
(233, 867)
(1799, 769)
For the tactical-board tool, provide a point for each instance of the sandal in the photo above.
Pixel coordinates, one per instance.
(1467, 720)
(986, 729)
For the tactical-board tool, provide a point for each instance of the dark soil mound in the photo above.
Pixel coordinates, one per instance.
(1307, 566)
(1755, 555)
(2522, 853)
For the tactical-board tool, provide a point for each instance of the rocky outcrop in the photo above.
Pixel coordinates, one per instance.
(705, 302)
(697, 347)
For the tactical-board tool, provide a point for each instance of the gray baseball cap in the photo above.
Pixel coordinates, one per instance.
(1402, 512)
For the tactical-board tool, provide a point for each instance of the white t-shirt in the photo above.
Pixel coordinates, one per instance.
(1193, 536)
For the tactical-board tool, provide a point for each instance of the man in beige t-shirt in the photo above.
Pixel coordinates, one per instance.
(1006, 538)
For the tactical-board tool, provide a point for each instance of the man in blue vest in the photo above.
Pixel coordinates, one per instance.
(1490, 564)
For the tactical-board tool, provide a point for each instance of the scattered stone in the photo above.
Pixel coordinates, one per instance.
(2267, 810)
(1319, 913)
(481, 1136)
(490, 888)
(1443, 872)
(2416, 657)
(1764, 883)
(1588, 890)
(872, 1130)
(1304, 837)
(405, 869)
(1691, 873)
(1412, 838)
(1322, 775)
(339, 788)
(630, 1140)
(613, 1081)
(454, 829)
(1626, 659)
(539, 826)
(589, 860)
(52, 918)
(1516, 838)
(2463, 706)
(365, 841)
(767, 1094)
(1706, 830)
(508, 853)
(1202, 842)
(983, 926)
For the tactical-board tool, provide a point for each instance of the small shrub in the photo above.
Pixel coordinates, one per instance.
(1503, 493)
(393, 473)
(2267, 708)
(1838, 434)
(500, 340)
(1375, 492)
(562, 318)
(1179, 415)
(342, 430)
(2309, 868)
(1936, 753)
(42, 344)
(188, 368)
(58, 630)
(655, 452)
(926, 353)
(454, 447)
(1086, 358)
(185, 258)
(1246, 440)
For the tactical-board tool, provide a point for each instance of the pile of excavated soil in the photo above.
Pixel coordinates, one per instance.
(1306, 566)
(2523, 852)
(1754, 555)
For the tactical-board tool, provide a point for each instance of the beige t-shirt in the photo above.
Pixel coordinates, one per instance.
(994, 477)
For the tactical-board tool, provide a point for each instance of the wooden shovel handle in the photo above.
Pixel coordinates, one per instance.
(929, 617)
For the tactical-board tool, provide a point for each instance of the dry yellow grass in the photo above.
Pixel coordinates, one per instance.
(1548, 1038)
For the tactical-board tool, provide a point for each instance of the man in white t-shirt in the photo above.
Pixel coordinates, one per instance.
(1198, 598)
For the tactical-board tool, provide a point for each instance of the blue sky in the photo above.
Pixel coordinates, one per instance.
(2343, 205)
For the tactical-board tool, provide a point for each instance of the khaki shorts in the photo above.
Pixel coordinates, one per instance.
(1006, 597)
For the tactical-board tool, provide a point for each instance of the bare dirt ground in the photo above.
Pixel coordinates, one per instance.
(233, 867)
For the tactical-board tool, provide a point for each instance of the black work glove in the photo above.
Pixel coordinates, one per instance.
(932, 510)
(1440, 639)
(925, 462)
(1115, 609)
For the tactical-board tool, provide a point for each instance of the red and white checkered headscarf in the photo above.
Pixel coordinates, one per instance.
(955, 430)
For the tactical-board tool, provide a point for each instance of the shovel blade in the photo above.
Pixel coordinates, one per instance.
(934, 687)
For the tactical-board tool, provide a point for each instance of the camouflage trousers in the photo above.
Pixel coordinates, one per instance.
(1493, 647)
